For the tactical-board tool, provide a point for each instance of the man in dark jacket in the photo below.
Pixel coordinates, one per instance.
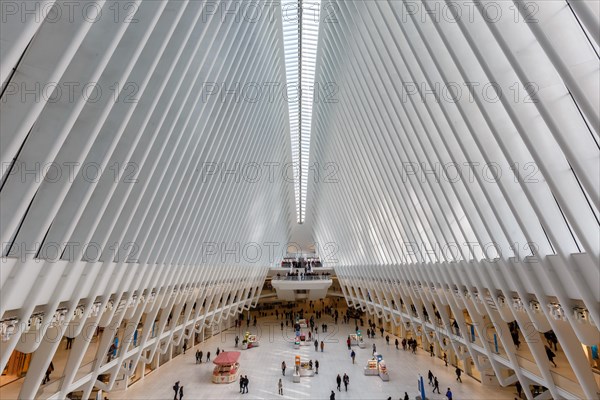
(176, 390)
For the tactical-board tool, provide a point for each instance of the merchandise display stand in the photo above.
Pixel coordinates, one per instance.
(371, 368)
(249, 341)
(227, 368)
(302, 368)
(356, 339)
(301, 340)
(296, 376)
(382, 368)
(377, 367)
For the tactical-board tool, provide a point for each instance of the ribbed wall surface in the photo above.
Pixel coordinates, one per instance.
(157, 186)
(454, 160)
(459, 159)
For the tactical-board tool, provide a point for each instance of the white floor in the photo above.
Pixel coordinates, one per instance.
(263, 367)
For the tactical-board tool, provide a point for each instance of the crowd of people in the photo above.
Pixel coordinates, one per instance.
(301, 263)
(305, 275)
(433, 381)
(313, 316)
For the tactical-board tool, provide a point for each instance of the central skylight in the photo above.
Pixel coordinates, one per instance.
(300, 38)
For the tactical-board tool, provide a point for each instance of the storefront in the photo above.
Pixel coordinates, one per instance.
(16, 368)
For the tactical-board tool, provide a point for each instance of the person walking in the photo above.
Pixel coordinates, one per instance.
(316, 345)
(332, 395)
(197, 356)
(111, 352)
(218, 351)
(207, 356)
(237, 339)
(550, 354)
(448, 394)
(458, 372)
(436, 385)
(346, 381)
(431, 350)
(280, 387)
(396, 342)
(406, 396)
(69, 343)
(430, 377)
(322, 346)
(185, 343)
(381, 330)
(47, 374)
(246, 382)
(519, 388)
(339, 382)
(317, 367)
(374, 348)
(241, 383)
(387, 339)
(445, 359)
(283, 367)
(176, 389)
(180, 392)
(349, 343)
(353, 356)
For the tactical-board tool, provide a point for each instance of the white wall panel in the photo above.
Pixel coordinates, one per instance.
(404, 112)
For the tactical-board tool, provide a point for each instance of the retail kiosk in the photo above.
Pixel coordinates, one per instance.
(227, 368)
(377, 366)
(249, 341)
(356, 339)
(302, 368)
(301, 340)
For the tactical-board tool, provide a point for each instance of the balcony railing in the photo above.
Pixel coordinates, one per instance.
(301, 277)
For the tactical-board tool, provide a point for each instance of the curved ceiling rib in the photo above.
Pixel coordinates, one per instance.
(454, 167)
(463, 138)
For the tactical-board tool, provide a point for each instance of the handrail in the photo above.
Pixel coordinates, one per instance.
(302, 277)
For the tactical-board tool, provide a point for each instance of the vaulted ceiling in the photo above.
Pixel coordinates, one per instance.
(441, 132)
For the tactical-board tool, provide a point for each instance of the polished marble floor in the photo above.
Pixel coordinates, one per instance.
(262, 365)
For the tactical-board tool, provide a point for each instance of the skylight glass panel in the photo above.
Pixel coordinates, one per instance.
(300, 33)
